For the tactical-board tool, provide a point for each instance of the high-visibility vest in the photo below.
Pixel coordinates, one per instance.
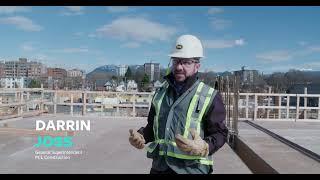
(185, 113)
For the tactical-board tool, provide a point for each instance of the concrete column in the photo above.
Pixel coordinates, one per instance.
(319, 108)
(288, 107)
(41, 101)
(235, 106)
(305, 103)
(255, 107)
(27, 101)
(84, 103)
(118, 97)
(247, 106)
(279, 105)
(268, 110)
(71, 104)
(55, 103)
(134, 105)
(228, 102)
(20, 102)
(297, 107)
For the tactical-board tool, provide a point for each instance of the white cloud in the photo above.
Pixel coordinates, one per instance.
(117, 9)
(179, 22)
(155, 53)
(279, 68)
(314, 48)
(215, 10)
(42, 57)
(92, 35)
(214, 68)
(312, 65)
(73, 10)
(27, 47)
(274, 56)
(306, 50)
(71, 50)
(137, 29)
(285, 55)
(221, 44)
(75, 50)
(79, 34)
(302, 43)
(13, 9)
(304, 69)
(131, 45)
(239, 42)
(220, 24)
(21, 23)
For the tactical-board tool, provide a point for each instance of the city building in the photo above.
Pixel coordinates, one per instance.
(23, 68)
(157, 85)
(122, 70)
(110, 85)
(10, 82)
(152, 70)
(247, 76)
(36, 69)
(132, 86)
(75, 73)
(56, 73)
(16, 68)
(2, 70)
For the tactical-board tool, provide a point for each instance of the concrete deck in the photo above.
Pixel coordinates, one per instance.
(306, 134)
(281, 157)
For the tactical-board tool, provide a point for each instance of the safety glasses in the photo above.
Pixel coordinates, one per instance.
(186, 62)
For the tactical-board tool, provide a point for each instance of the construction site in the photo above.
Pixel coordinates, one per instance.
(268, 133)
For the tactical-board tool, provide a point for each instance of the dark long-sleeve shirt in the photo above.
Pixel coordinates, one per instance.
(215, 131)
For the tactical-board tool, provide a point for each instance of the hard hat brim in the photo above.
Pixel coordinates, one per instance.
(183, 55)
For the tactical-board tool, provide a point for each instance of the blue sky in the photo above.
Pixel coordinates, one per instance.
(268, 39)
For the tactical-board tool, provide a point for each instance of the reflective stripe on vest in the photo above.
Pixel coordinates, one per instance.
(191, 109)
(171, 148)
(157, 105)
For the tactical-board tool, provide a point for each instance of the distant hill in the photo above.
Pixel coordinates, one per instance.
(135, 68)
(225, 73)
(110, 69)
(312, 73)
(102, 74)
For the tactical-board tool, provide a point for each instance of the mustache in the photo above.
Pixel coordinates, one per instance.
(178, 72)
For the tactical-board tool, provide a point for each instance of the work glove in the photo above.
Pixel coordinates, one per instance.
(196, 146)
(136, 139)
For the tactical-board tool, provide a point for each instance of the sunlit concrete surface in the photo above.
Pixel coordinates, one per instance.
(281, 157)
(306, 134)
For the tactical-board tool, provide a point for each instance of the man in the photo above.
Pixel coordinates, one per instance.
(186, 122)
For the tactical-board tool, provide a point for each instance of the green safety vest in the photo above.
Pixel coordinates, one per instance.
(185, 113)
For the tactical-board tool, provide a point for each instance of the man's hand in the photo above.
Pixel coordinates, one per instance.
(196, 146)
(136, 139)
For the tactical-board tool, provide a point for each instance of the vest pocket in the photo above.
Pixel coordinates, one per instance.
(200, 103)
(191, 162)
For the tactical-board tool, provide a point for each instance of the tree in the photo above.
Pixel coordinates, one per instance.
(114, 78)
(145, 79)
(34, 84)
(138, 76)
(145, 83)
(208, 77)
(128, 74)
